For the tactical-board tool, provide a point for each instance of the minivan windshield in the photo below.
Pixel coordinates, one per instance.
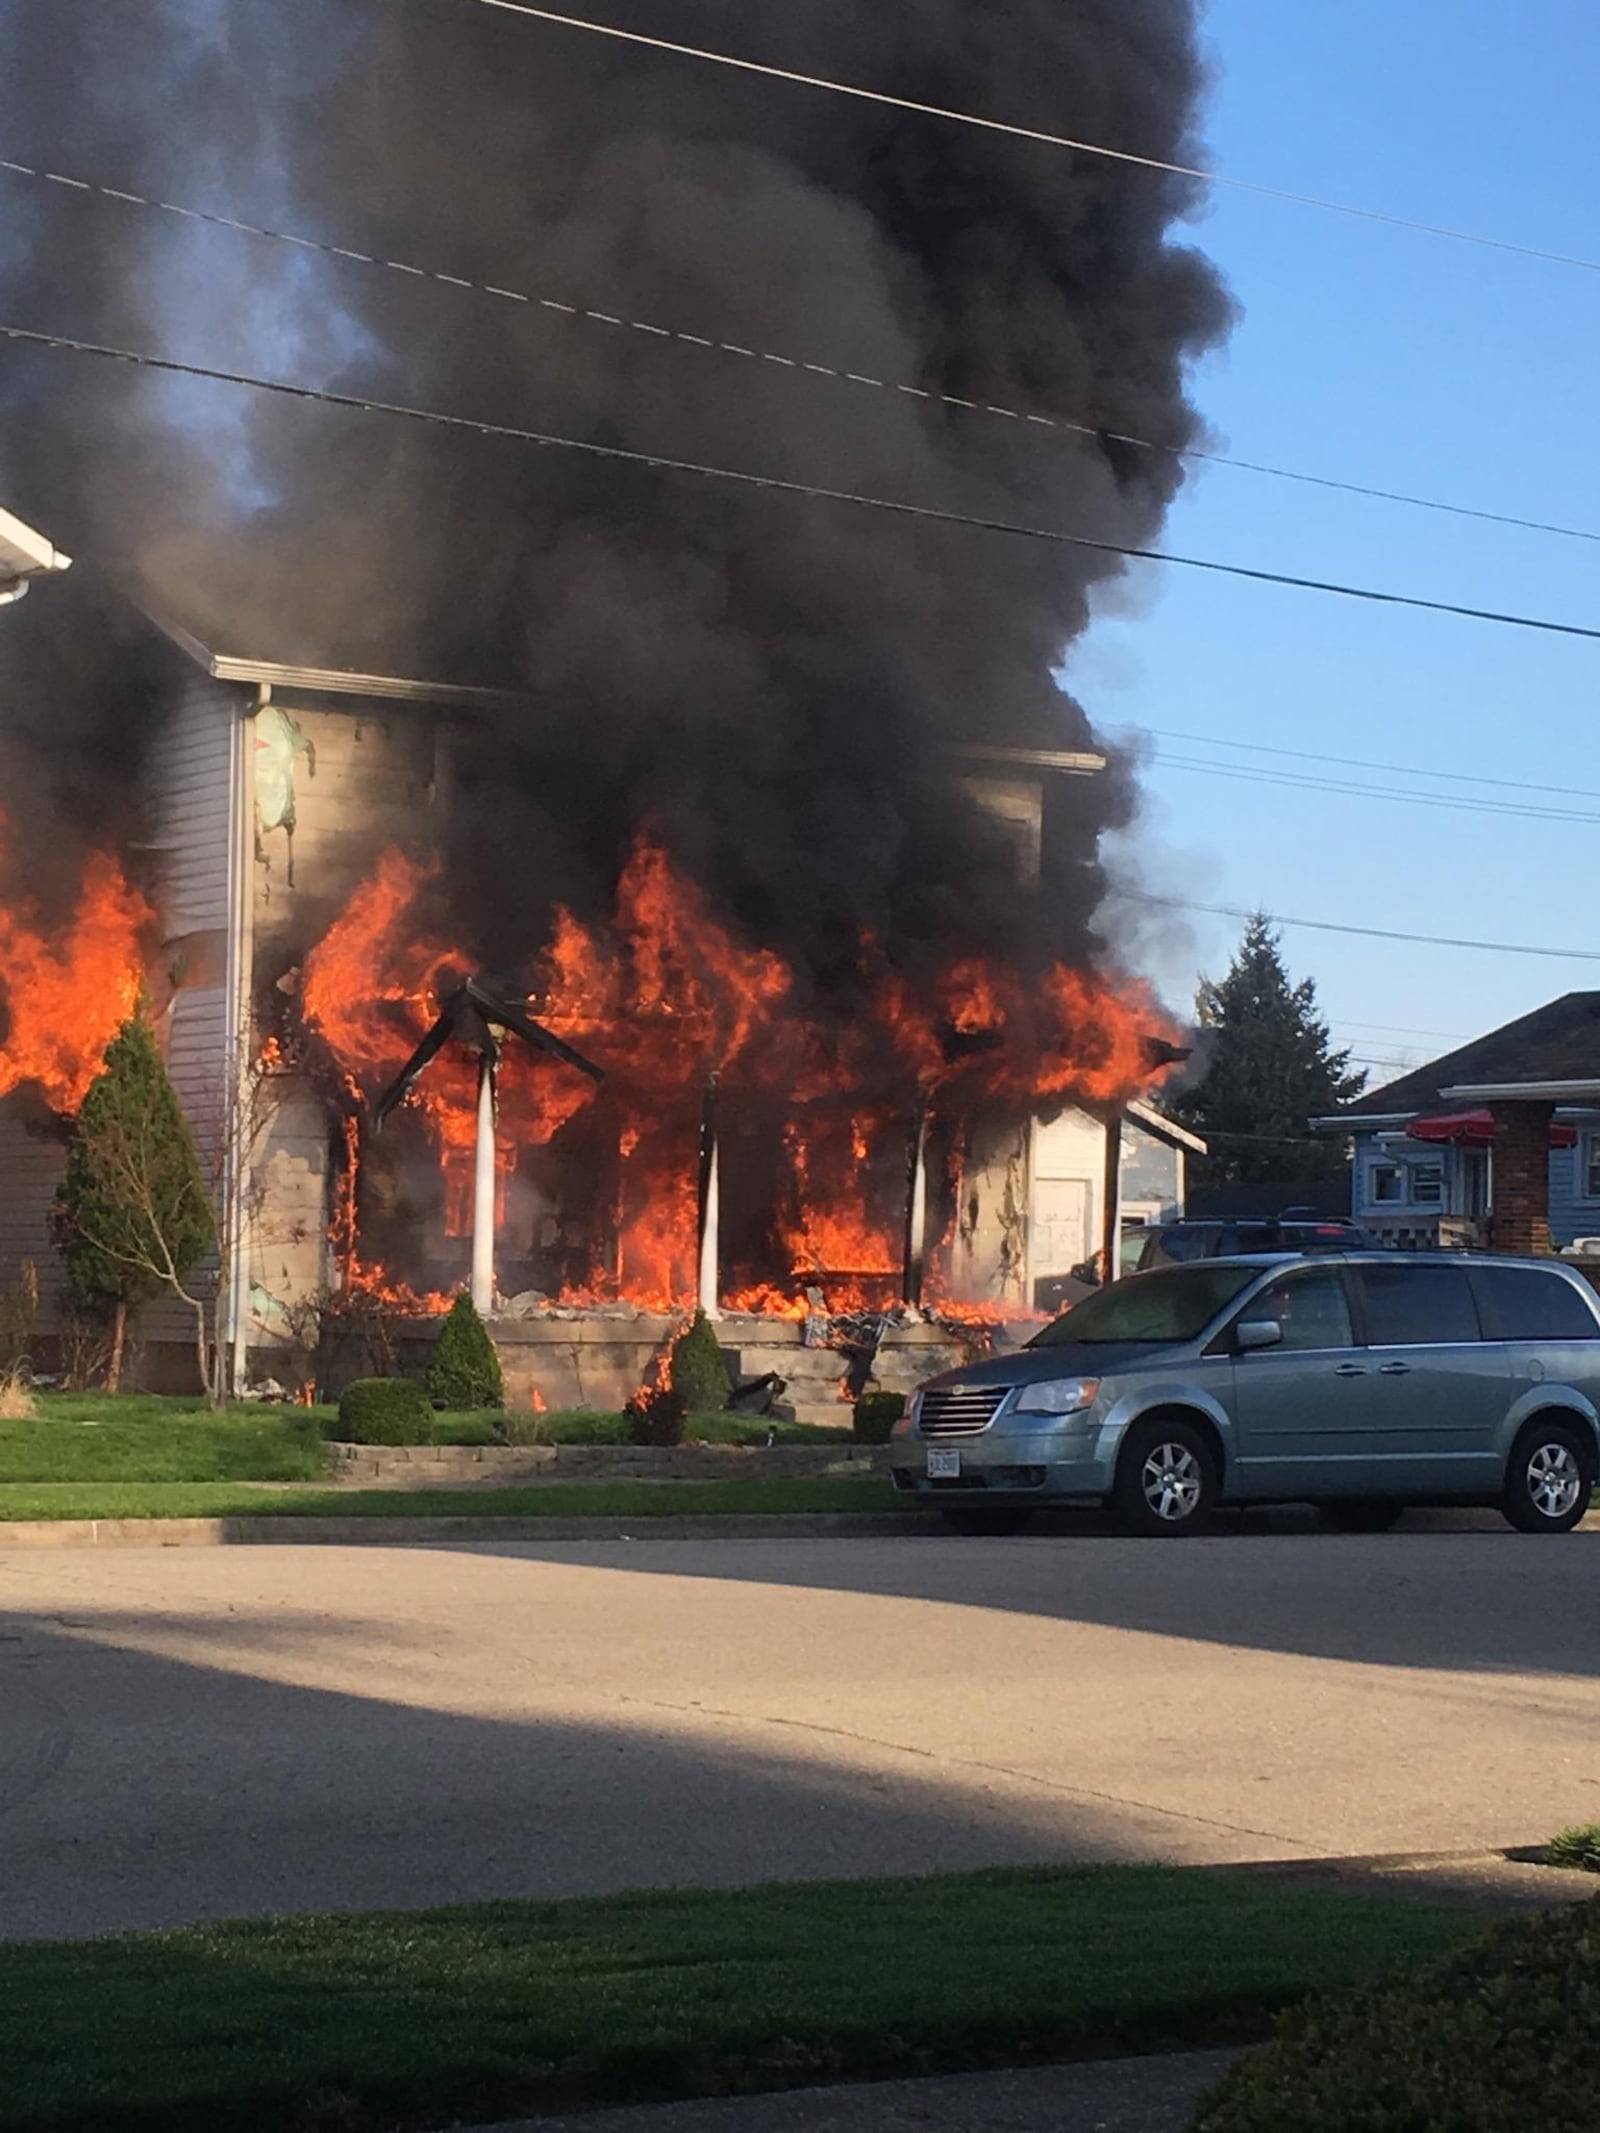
(1170, 1305)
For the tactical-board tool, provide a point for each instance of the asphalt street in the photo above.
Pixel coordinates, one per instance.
(198, 1733)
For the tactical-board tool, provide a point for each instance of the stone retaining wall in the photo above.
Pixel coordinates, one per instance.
(441, 1466)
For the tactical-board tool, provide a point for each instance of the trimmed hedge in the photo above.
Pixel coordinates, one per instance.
(1501, 2038)
(656, 1417)
(384, 1411)
(464, 1371)
(876, 1415)
(696, 1370)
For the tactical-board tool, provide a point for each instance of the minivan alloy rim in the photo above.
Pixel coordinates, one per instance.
(1554, 1480)
(1171, 1481)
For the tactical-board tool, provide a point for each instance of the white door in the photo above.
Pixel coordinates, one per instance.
(1059, 1231)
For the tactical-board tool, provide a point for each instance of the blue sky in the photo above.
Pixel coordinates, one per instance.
(1411, 363)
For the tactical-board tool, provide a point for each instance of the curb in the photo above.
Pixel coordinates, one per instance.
(284, 1528)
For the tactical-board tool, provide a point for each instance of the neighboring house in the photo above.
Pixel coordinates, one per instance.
(1496, 1143)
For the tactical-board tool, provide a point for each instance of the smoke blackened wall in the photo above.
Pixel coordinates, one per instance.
(770, 681)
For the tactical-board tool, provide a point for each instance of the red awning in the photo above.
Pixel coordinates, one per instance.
(1475, 1129)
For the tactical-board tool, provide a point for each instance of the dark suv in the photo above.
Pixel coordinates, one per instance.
(1176, 1243)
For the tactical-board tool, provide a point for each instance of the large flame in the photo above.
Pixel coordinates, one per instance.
(672, 1004)
(68, 989)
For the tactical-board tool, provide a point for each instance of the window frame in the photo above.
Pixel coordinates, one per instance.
(1589, 1166)
(1380, 1165)
(1414, 1172)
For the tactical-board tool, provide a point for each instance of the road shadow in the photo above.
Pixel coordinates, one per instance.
(140, 1790)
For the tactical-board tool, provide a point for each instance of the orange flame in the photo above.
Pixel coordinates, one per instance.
(670, 1002)
(67, 992)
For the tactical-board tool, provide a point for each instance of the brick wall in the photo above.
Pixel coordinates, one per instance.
(1521, 1221)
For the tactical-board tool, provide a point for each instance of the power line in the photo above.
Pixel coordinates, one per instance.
(839, 373)
(1035, 134)
(1401, 1029)
(776, 485)
(1291, 781)
(1396, 770)
(1366, 933)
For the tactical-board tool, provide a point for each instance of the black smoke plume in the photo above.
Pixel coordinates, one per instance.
(774, 683)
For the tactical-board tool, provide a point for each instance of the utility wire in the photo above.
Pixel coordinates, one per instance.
(1366, 933)
(1031, 133)
(1395, 770)
(775, 485)
(839, 373)
(1451, 803)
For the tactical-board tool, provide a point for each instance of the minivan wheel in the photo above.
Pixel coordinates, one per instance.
(976, 1521)
(1549, 1477)
(1360, 1514)
(1166, 1479)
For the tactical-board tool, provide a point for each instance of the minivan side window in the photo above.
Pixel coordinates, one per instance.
(1415, 1306)
(1535, 1306)
(1311, 1308)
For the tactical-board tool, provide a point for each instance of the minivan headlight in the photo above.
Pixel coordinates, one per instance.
(1057, 1396)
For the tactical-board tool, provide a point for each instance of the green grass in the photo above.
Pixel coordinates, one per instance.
(554, 1499)
(410, 2020)
(135, 1437)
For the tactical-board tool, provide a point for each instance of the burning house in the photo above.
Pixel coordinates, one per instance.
(767, 808)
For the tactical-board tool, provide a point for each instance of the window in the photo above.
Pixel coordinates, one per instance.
(1414, 1306)
(1174, 1304)
(1532, 1305)
(1311, 1308)
(1387, 1184)
(1590, 1154)
(1427, 1184)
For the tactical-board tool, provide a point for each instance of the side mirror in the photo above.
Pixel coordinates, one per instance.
(1253, 1333)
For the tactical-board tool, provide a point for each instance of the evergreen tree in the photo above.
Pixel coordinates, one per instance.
(133, 1215)
(464, 1370)
(1270, 1069)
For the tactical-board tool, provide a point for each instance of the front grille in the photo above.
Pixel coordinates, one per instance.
(960, 1410)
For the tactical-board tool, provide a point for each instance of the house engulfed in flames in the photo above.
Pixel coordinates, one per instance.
(735, 1155)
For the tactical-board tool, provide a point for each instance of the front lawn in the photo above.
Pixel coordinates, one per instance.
(550, 1499)
(138, 1437)
(411, 2020)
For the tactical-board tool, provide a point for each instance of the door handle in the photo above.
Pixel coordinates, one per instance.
(1350, 1370)
(1394, 1370)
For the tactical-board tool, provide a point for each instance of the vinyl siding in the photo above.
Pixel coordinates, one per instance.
(189, 781)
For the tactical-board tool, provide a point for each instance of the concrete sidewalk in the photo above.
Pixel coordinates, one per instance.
(1155, 2095)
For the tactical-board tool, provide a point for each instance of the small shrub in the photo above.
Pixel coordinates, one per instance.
(656, 1416)
(1502, 2037)
(464, 1371)
(1576, 1847)
(384, 1411)
(19, 1315)
(696, 1369)
(876, 1415)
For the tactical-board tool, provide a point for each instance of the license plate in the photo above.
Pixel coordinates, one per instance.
(944, 1466)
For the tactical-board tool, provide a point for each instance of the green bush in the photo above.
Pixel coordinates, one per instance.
(1501, 2037)
(464, 1370)
(656, 1417)
(876, 1415)
(696, 1369)
(384, 1411)
(1576, 1847)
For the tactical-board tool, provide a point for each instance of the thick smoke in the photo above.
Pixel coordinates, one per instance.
(772, 682)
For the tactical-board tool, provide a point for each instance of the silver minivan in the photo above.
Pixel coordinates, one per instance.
(1361, 1383)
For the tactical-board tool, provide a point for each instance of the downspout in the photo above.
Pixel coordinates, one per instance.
(241, 962)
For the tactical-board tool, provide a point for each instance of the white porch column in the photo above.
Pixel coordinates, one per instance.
(483, 1194)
